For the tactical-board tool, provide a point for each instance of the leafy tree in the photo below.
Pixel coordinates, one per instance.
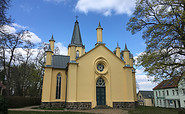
(26, 80)
(163, 26)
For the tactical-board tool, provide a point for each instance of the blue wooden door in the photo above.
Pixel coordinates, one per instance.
(100, 92)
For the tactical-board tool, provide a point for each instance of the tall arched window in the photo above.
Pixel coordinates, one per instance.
(58, 86)
(77, 54)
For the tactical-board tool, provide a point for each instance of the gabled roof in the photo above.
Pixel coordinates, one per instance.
(147, 94)
(171, 83)
(76, 38)
(60, 61)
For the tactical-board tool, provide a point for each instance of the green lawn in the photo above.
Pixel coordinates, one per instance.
(152, 110)
(32, 112)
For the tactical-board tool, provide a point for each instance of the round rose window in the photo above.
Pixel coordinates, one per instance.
(100, 67)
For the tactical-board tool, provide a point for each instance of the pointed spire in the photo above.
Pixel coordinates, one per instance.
(117, 45)
(52, 39)
(126, 49)
(76, 38)
(99, 26)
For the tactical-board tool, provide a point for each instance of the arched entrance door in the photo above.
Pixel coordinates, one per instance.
(100, 92)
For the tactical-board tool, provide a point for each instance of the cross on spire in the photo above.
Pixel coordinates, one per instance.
(76, 18)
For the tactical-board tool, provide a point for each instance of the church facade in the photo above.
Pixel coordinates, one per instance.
(85, 80)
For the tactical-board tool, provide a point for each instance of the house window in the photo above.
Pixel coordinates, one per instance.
(183, 91)
(156, 93)
(173, 92)
(167, 93)
(163, 93)
(177, 92)
(159, 93)
(157, 102)
(58, 86)
(160, 102)
(140, 97)
(77, 54)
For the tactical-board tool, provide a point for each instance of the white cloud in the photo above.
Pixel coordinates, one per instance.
(19, 26)
(8, 29)
(142, 79)
(106, 7)
(58, 1)
(32, 37)
(63, 49)
(28, 35)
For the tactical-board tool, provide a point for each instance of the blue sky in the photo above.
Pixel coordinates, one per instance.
(46, 17)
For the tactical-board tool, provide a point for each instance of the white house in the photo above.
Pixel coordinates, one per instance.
(170, 93)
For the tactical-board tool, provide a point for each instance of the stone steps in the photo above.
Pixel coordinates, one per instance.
(103, 107)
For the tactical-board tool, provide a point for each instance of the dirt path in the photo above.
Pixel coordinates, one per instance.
(96, 111)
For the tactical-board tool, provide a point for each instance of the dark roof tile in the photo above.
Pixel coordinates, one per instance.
(60, 61)
(171, 83)
(76, 38)
(147, 94)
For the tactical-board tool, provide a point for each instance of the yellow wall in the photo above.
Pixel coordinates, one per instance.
(82, 77)
(63, 85)
(99, 34)
(118, 52)
(147, 102)
(46, 89)
(48, 57)
(126, 57)
(119, 85)
(52, 45)
(80, 49)
(49, 85)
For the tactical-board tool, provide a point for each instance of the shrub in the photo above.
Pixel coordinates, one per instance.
(3, 106)
(19, 101)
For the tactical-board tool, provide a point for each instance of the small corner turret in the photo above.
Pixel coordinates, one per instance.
(118, 50)
(126, 55)
(52, 41)
(49, 53)
(99, 34)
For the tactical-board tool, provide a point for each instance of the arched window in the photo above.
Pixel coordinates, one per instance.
(77, 54)
(58, 86)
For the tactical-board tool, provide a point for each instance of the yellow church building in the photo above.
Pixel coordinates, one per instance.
(85, 80)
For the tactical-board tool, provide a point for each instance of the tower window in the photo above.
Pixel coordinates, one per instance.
(77, 54)
(58, 86)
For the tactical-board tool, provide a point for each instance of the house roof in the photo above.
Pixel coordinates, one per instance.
(60, 61)
(171, 83)
(147, 94)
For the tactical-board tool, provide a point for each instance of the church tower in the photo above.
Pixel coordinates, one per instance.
(76, 47)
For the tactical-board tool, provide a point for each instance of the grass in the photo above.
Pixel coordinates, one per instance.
(33, 112)
(152, 110)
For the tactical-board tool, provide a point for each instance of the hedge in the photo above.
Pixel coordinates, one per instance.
(19, 101)
(3, 106)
